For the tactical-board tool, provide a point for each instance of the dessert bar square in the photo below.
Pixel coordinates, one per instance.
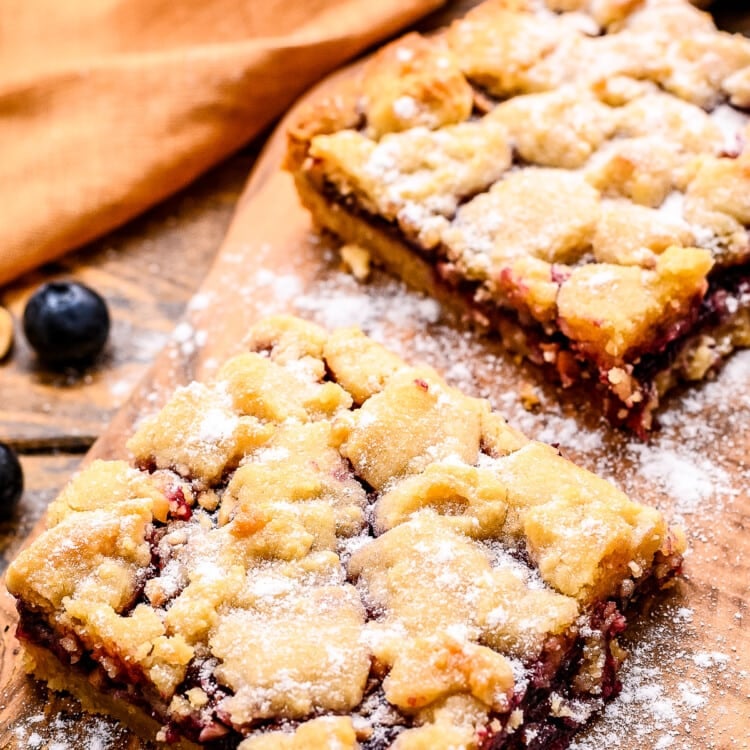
(325, 547)
(573, 175)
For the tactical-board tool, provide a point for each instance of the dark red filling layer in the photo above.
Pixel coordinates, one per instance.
(543, 731)
(546, 677)
(713, 310)
(554, 672)
(127, 685)
(570, 365)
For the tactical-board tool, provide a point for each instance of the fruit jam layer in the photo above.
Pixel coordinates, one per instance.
(727, 300)
(558, 695)
(548, 687)
(554, 694)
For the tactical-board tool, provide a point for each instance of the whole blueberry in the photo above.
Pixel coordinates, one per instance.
(11, 480)
(66, 323)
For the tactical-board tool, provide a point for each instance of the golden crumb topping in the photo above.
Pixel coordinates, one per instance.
(603, 133)
(396, 551)
(414, 82)
(329, 732)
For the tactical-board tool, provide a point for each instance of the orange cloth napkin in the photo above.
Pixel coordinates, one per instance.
(108, 106)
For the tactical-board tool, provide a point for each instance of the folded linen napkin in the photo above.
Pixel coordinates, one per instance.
(108, 106)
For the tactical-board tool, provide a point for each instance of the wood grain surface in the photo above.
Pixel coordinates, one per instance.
(147, 271)
(688, 680)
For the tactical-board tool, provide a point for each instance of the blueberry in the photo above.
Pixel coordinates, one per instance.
(66, 323)
(11, 480)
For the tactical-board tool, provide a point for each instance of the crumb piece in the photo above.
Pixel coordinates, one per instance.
(529, 397)
(357, 260)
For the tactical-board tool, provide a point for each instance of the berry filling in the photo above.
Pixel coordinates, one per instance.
(665, 361)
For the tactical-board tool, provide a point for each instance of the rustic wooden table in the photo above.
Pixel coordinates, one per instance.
(148, 271)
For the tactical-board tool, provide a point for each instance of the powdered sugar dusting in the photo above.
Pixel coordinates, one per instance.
(217, 425)
(374, 315)
(691, 468)
(655, 714)
(405, 107)
(732, 123)
(66, 732)
(674, 675)
(284, 286)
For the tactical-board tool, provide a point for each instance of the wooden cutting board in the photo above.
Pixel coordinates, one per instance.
(688, 680)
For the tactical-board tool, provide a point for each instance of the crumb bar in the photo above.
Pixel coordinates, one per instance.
(572, 174)
(325, 547)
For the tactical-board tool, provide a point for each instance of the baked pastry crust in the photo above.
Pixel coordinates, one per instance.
(595, 201)
(326, 547)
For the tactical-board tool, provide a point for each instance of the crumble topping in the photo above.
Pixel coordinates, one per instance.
(465, 495)
(637, 300)
(277, 664)
(334, 732)
(105, 483)
(418, 176)
(247, 597)
(631, 235)
(502, 217)
(412, 83)
(415, 420)
(559, 128)
(358, 260)
(604, 138)
(678, 121)
(737, 86)
(199, 435)
(644, 170)
(717, 200)
(605, 12)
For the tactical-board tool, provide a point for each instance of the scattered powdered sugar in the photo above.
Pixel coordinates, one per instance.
(347, 547)
(692, 467)
(201, 301)
(602, 277)
(405, 107)
(692, 696)
(272, 454)
(565, 431)
(673, 206)
(404, 54)
(373, 315)
(217, 425)
(268, 586)
(732, 122)
(284, 286)
(688, 479)
(187, 339)
(65, 731)
(658, 716)
(121, 388)
(711, 659)
(143, 344)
